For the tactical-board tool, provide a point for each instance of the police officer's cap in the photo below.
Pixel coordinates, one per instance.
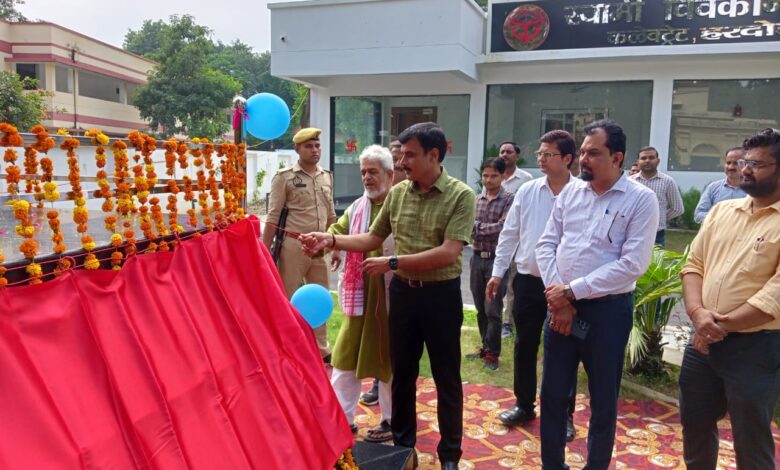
(306, 134)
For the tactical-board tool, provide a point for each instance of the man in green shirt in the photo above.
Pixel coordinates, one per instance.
(430, 217)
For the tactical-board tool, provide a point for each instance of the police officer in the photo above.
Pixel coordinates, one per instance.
(306, 190)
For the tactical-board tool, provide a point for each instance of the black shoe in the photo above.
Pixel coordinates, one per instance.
(571, 433)
(515, 416)
(371, 397)
(449, 465)
(326, 359)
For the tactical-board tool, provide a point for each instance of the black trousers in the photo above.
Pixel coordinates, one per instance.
(529, 312)
(740, 376)
(429, 316)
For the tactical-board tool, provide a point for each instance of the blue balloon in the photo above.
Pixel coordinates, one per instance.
(268, 116)
(314, 303)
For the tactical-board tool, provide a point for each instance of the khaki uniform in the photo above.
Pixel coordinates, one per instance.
(309, 201)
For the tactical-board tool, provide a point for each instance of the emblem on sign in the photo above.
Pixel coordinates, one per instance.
(526, 27)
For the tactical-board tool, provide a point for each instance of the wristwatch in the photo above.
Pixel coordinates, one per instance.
(567, 292)
(393, 262)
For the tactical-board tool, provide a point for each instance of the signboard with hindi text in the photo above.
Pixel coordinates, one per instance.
(577, 24)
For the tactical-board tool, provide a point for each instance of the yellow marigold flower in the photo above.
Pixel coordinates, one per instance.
(177, 229)
(103, 139)
(26, 231)
(34, 269)
(116, 239)
(80, 201)
(20, 205)
(196, 140)
(50, 186)
(143, 194)
(62, 131)
(91, 262)
(88, 246)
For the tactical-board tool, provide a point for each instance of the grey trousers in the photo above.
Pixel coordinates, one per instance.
(488, 313)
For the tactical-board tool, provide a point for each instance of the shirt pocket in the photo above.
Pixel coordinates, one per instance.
(612, 229)
(301, 197)
(324, 193)
(762, 258)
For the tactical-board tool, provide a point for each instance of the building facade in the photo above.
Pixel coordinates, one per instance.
(690, 77)
(92, 82)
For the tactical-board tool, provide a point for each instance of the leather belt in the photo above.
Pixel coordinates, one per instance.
(606, 298)
(484, 254)
(417, 284)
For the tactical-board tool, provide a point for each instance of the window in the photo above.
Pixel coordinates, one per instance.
(33, 71)
(64, 79)
(361, 121)
(522, 113)
(100, 87)
(711, 116)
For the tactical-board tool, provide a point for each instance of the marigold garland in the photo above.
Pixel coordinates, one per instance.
(119, 201)
(29, 247)
(56, 232)
(346, 462)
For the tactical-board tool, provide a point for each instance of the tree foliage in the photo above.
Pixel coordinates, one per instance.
(8, 10)
(483, 4)
(183, 94)
(21, 103)
(195, 74)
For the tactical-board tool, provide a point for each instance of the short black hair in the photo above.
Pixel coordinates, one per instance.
(766, 138)
(734, 149)
(496, 163)
(647, 149)
(517, 147)
(563, 140)
(616, 138)
(429, 135)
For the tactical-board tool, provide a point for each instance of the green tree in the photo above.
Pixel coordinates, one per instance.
(253, 71)
(147, 41)
(482, 3)
(184, 93)
(8, 10)
(21, 103)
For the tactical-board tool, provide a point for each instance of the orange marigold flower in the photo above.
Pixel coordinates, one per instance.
(29, 248)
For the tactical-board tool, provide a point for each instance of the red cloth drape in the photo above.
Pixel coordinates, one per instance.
(187, 359)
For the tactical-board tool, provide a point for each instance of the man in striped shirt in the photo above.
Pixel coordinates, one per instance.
(670, 204)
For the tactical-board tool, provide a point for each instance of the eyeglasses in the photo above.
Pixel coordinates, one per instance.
(546, 155)
(753, 164)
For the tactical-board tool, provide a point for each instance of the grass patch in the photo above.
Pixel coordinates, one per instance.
(677, 240)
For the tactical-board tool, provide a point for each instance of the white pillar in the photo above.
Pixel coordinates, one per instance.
(477, 119)
(320, 118)
(661, 119)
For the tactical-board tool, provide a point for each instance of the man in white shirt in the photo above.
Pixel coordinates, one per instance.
(514, 177)
(670, 203)
(516, 245)
(597, 242)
